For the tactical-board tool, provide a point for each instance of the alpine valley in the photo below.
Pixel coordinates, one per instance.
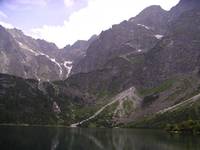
(144, 72)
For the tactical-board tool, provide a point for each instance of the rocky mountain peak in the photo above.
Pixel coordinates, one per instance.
(79, 44)
(189, 1)
(138, 34)
(154, 17)
(6, 40)
(151, 10)
(183, 6)
(187, 4)
(16, 32)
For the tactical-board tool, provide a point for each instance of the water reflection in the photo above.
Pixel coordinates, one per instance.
(40, 138)
(55, 141)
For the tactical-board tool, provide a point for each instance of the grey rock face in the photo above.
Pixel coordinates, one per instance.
(160, 37)
(10, 56)
(183, 6)
(74, 53)
(178, 52)
(37, 59)
(168, 40)
(36, 45)
(154, 17)
(138, 34)
(26, 57)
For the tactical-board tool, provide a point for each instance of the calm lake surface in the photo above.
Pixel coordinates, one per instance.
(43, 138)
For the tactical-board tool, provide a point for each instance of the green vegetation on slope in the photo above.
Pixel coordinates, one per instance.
(23, 102)
(189, 126)
(189, 110)
(162, 87)
(104, 119)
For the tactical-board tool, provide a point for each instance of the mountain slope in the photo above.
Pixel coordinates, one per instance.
(25, 57)
(28, 101)
(10, 56)
(172, 55)
(156, 53)
(76, 51)
(22, 102)
(137, 34)
(37, 59)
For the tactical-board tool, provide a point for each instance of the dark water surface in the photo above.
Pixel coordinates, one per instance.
(43, 138)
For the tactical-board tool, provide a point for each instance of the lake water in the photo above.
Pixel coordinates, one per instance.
(43, 138)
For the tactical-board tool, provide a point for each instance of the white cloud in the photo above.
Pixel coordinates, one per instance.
(3, 15)
(69, 3)
(97, 16)
(6, 25)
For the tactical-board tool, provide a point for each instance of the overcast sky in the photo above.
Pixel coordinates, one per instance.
(65, 21)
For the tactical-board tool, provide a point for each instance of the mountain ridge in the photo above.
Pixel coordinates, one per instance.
(156, 53)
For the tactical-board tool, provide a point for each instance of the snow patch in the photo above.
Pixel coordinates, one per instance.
(55, 62)
(68, 63)
(59, 66)
(39, 80)
(146, 27)
(27, 48)
(158, 36)
(68, 66)
(139, 50)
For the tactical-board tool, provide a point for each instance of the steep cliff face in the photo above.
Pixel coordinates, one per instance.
(138, 34)
(29, 58)
(77, 51)
(183, 6)
(154, 17)
(178, 52)
(155, 38)
(36, 45)
(37, 58)
(10, 56)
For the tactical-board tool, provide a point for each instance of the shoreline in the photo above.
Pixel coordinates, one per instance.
(31, 125)
(62, 126)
